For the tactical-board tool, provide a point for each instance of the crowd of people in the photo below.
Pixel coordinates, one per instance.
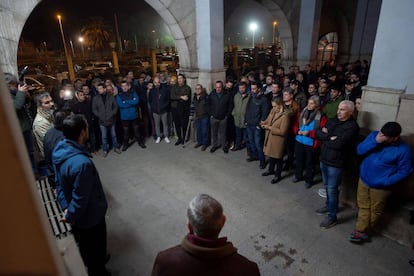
(298, 121)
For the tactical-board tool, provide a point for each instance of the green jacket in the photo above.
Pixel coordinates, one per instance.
(331, 107)
(239, 110)
(19, 102)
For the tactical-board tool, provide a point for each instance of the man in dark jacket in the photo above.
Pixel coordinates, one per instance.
(257, 110)
(338, 137)
(220, 107)
(52, 137)
(200, 102)
(80, 194)
(180, 107)
(202, 252)
(105, 109)
(159, 100)
(83, 105)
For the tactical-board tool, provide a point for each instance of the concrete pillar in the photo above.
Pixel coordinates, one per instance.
(210, 47)
(391, 71)
(310, 13)
(365, 29)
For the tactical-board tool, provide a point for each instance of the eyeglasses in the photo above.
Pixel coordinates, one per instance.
(48, 102)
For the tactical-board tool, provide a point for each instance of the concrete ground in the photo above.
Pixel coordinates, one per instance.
(274, 225)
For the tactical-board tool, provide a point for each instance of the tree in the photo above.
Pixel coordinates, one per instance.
(97, 34)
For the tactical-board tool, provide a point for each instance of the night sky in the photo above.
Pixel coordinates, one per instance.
(135, 17)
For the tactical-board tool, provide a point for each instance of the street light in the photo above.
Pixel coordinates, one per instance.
(274, 32)
(253, 28)
(68, 56)
(81, 40)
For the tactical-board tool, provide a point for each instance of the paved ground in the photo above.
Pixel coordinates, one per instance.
(274, 225)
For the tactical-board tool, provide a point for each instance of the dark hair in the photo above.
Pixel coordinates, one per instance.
(58, 118)
(242, 83)
(101, 84)
(73, 126)
(391, 129)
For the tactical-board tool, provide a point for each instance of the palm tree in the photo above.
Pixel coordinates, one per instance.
(97, 34)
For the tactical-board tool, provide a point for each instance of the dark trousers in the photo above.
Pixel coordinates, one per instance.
(305, 161)
(92, 247)
(28, 140)
(202, 125)
(275, 165)
(290, 149)
(92, 138)
(126, 126)
(218, 132)
(180, 118)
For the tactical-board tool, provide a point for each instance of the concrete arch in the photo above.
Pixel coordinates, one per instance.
(284, 29)
(179, 19)
(174, 15)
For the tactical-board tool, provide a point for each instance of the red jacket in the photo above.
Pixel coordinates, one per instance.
(312, 133)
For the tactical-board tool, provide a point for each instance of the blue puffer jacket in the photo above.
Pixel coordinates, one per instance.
(128, 104)
(78, 185)
(384, 164)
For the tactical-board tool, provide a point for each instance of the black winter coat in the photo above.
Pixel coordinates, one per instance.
(336, 152)
(220, 107)
(257, 110)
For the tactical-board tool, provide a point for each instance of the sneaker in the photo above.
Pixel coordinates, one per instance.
(117, 151)
(321, 211)
(105, 154)
(322, 193)
(158, 140)
(166, 140)
(358, 237)
(124, 148)
(328, 223)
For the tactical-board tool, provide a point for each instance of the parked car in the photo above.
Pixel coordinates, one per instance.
(41, 82)
(99, 66)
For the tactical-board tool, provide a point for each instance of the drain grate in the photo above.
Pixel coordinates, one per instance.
(52, 208)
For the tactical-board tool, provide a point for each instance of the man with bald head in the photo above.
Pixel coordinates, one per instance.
(202, 252)
(159, 100)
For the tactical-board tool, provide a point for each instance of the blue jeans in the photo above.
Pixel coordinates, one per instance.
(28, 139)
(104, 132)
(331, 177)
(255, 136)
(241, 135)
(202, 125)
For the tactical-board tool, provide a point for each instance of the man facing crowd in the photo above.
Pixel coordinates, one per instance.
(202, 252)
(80, 194)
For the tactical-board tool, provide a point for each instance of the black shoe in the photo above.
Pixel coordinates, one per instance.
(213, 149)
(250, 159)
(308, 185)
(321, 211)
(295, 180)
(276, 180)
(179, 141)
(235, 148)
(226, 150)
(142, 145)
(124, 148)
(328, 223)
(267, 173)
(197, 146)
(286, 167)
